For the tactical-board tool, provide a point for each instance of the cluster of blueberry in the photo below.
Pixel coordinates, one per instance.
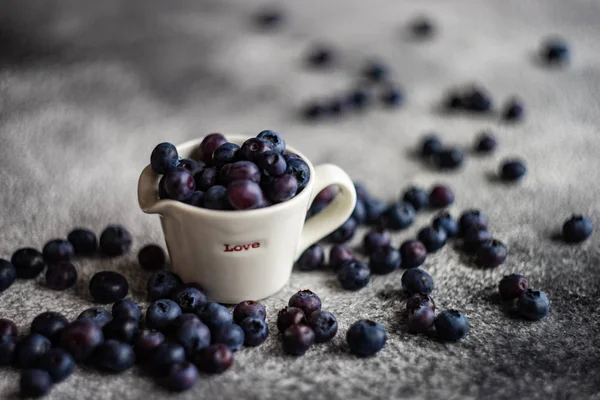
(529, 303)
(476, 99)
(225, 176)
(450, 325)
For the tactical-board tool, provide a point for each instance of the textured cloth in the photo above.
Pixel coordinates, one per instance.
(88, 89)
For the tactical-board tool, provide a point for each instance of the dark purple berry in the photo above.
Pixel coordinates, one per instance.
(344, 233)
(35, 383)
(375, 71)
(28, 263)
(353, 275)
(421, 320)
(180, 376)
(451, 325)
(416, 280)
(375, 209)
(205, 178)
(359, 99)
(297, 339)
(58, 363)
(430, 145)
(418, 197)
(49, 324)
(97, 315)
(384, 260)
(513, 110)
(472, 219)
(58, 250)
(485, 143)
(419, 300)
(311, 259)
(375, 239)
(433, 239)
(190, 165)
(289, 316)
(453, 101)
(30, 349)
(162, 285)
(189, 298)
(255, 330)
(8, 274)
(8, 347)
(253, 147)
(80, 338)
(240, 170)
(151, 257)
(146, 342)
(446, 222)
(400, 215)
(161, 313)
(300, 170)
(179, 185)
(491, 253)
(122, 329)
(225, 154)
(84, 242)
(365, 338)
(8, 328)
(533, 305)
(192, 334)
(449, 158)
(214, 315)
(314, 111)
(214, 359)
(477, 100)
(270, 18)
(555, 52)
(165, 355)
(114, 356)
(244, 195)
(413, 253)
(126, 308)
(274, 139)
(163, 158)
(209, 144)
(320, 56)
(359, 214)
(392, 97)
(249, 309)
(338, 255)
(305, 300)
(115, 240)
(230, 335)
(108, 287)
(271, 163)
(577, 229)
(361, 191)
(324, 325)
(474, 238)
(215, 198)
(512, 286)
(441, 196)
(422, 28)
(196, 199)
(282, 188)
(61, 275)
(512, 170)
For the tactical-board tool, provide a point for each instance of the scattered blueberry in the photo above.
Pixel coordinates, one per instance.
(225, 154)
(446, 222)
(353, 275)
(375, 239)
(477, 100)
(8, 328)
(289, 316)
(179, 185)
(204, 178)
(555, 51)
(214, 359)
(270, 18)
(314, 111)
(392, 97)
(229, 334)
(453, 101)
(61, 275)
(533, 304)
(162, 285)
(35, 383)
(422, 28)
(338, 254)
(430, 145)
(30, 349)
(215, 198)
(433, 239)
(451, 325)
(512, 170)
(474, 238)
(375, 209)
(513, 110)
(249, 309)
(146, 342)
(49, 324)
(366, 338)
(189, 298)
(399, 215)
(208, 146)
(108, 287)
(311, 259)
(421, 319)
(418, 300)
(375, 71)
(491, 253)
(472, 219)
(80, 338)
(192, 334)
(297, 339)
(359, 98)
(8, 347)
(485, 143)
(165, 355)
(449, 158)
(344, 233)
(416, 280)
(58, 250)
(214, 315)
(164, 157)
(28, 263)
(282, 188)
(255, 330)
(512, 286)
(114, 356)
(324, 325)
(320, 56)
(58, 363)
(84, 241)
(385, 260)
(418, 197)
(274, 139)
(180, 376)
(97, 315)
(121, 329)
(115, 240)
(441, 196)
(8, 274)
(161, 313)
(577, 229)
(359, 214)
(413, 253)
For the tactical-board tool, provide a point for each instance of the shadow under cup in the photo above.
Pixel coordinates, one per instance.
(245, 255)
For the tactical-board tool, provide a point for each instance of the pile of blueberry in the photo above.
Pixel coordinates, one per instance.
(450, 325)
(225, 176)
(529, 303)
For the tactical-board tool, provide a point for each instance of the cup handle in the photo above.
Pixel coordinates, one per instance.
(336, 213)
(148, 192)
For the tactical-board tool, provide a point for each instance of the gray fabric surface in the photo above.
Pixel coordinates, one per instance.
(88, 88)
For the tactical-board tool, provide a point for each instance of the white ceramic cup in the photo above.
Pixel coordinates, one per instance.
(245, 255)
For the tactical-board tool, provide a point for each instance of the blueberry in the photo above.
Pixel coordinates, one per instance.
(344, 233)
(126, 309)
(61, 275)
(305, 300)
(146, 342)
(229, 334)
(400, 215)
(512, 170)
(225, 154)
(180, 376)
(446, 222)
(189, 164)
(413, 253)
(253, 147)
(491, 253)
(361, 191)
(165, 355)
(449, 158)
(164, 157)
(8, 328)
(512, 286)
(84, 241)
(474, 238)
(418, 197)
(422, 28)
(80, 338)
(421, 320)
(271, 163)
(30, 349)
(485, 143)
(338, 254)
(179, 185)
(196, 199)
(513, 110)
(451, 325)
(327, 195)
(419, 300)
(8, 274)
(430, 145)
(269, 18)
(115, 240)
(297, 339)
(441, 196)
(416, 280)
(249, 309)
(353, 275)
(8, 347)
(336, 106)
(375, 239)
(244, 195)
(533, 304)
(311, 259)
(121, 329)
(472, 219)
(282, 188)
(28, 263)
(49, 324)
(300, 170)
(58, 363)
(214, 359)
(204, 178)
(314, 111)
(161, 313)
(577, 229)
(58, 250)
(359, 214)
(114, 356)
(453, 100)
(365, 338)
(384, 260)
(555, 51)
(209, 144)
(433, 239)
(97, 315)
(162, 285)
(320, 56)
(375, 209)
(192, 334)
(477, 100)
(274, 139)
(375, 71)
(215, 198)
(35, 383)
(189, 298)
(239, 170)
(289, 316)
(214, 315)
(392, 97)
(255, 330)
(108, 287)
(324, 325)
